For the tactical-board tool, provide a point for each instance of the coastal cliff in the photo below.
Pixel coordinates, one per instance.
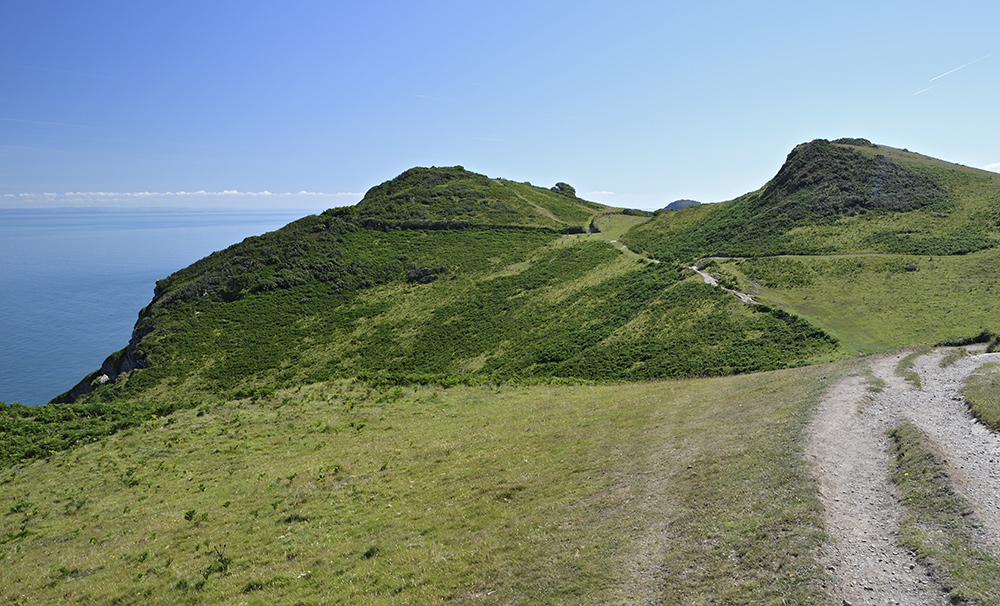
(114, 366)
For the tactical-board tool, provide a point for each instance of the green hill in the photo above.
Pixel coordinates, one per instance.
(465, 389)
(395, 290)
(846, 196)
(435, 195)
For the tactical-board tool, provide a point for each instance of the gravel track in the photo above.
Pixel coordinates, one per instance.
(848, 447)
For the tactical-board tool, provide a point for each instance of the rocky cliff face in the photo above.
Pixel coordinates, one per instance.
(114, 366)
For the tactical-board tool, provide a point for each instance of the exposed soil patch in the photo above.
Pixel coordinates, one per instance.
(742, 296)
(848, 446)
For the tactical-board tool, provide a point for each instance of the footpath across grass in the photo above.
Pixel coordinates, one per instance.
(688, 492)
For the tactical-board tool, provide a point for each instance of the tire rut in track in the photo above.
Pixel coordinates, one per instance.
(848, 448)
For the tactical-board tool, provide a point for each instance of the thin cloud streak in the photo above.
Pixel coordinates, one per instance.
(961, 67)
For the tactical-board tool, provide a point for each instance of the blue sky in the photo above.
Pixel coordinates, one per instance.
(245, 104)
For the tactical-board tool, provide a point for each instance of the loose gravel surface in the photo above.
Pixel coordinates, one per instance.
(848, 446)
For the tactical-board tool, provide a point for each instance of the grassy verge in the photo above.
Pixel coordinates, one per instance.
(936, 523)
(982, 394)
(686, 491)
(905, 367)
(953, 356)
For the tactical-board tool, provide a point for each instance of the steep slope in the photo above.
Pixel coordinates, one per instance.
(848, 196)
(880, 247)
(348, 249)
(447, 273)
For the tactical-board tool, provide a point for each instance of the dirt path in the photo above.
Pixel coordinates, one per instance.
(625, 249)
(710, 280)
(848, 446)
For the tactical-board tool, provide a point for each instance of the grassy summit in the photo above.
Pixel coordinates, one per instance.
(457, 195)
(840, 197)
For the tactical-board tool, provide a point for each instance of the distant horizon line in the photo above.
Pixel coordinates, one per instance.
(229, 199)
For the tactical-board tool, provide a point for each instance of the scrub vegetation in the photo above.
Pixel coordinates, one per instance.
(467, 389)
(839, 198)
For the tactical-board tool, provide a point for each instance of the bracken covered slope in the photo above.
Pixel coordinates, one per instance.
(846, 196)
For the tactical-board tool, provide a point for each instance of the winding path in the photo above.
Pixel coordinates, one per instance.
(848, 447)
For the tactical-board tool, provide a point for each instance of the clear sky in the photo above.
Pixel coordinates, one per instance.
(633, 103)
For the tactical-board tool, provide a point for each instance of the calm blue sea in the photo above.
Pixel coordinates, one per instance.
(72, 283)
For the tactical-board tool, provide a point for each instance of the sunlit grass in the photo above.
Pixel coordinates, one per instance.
(982, 394)
(875, 303)
(333, 493)
(936, 523)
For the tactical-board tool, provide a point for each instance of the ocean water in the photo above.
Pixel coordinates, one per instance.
(72, 283)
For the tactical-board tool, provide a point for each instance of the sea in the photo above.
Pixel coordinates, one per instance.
(72, 282)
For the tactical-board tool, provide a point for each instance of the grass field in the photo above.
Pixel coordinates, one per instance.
(691, 491)
(877, 303)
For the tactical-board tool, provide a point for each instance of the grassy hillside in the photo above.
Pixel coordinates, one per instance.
(848, 196)
(504, 305)
(451, 393)
(394, 290)
(336, 492)
(880, 302)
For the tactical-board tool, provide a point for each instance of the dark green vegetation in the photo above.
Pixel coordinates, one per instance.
(429, 197)
(30, 432)
(455, 391)
(398, 290)
(839, 198)
(936, 524)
